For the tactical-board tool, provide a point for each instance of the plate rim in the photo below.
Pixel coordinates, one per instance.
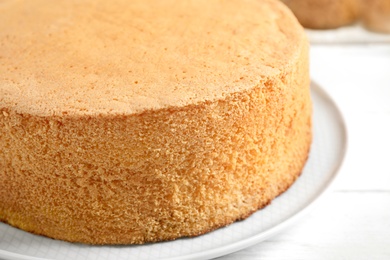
(257, 238)
(250, 241)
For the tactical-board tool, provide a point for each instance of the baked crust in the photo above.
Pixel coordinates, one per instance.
(77, 165)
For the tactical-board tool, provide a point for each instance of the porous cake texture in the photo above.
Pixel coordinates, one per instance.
(125, 122)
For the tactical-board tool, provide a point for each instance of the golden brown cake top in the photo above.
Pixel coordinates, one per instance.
(92, 57)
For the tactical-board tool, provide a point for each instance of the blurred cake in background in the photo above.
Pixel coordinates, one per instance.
(325, 14)
(376, 15)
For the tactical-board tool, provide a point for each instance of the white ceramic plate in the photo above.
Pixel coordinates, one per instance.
(327, 152)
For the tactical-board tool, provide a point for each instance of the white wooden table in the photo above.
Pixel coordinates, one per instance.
(353, 220)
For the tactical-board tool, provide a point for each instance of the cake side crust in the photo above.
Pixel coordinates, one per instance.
(128, 174)
(159, 175)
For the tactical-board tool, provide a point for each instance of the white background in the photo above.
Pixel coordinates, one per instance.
(353, 221)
